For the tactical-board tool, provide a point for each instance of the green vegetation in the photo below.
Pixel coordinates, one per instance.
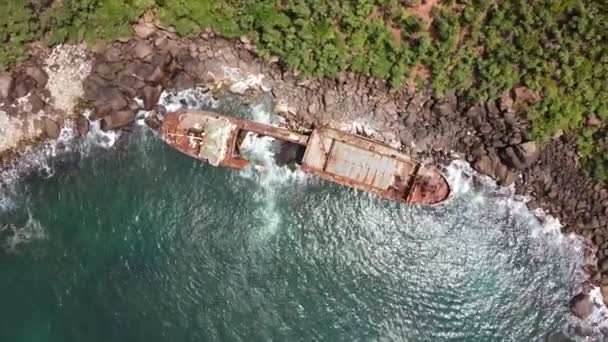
(16, 30)
(479, 48)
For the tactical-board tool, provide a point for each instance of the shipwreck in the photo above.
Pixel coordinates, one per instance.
(333, 155)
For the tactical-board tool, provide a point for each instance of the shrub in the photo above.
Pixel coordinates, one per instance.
(18, 27)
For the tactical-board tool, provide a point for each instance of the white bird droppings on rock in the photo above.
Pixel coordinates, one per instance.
(67, 67)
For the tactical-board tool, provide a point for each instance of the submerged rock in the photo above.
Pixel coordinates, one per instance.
(153, 121)
(581, 306)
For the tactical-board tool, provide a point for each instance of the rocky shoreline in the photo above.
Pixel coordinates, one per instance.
(39, 95)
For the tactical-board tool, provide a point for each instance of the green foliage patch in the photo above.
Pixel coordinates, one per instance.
(18, 26)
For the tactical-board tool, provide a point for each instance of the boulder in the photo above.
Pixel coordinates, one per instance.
(112, 54)
(491, 166)
(443, 109)
(144, 30)
(108, 71)
(92, 86)
(521, 156)
(114, 98)
(6, 85)
(476, 112)
(36, 102)
(23, 85)
(82, 125)
(182, 81)
(153, 121)
(156, 76)
(50, 128)
(117, 119)
(151, 95)
(581, 306)
(39, 75)
(492, 109)
(142, 50)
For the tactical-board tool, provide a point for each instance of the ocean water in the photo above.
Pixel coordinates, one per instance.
(133, 241)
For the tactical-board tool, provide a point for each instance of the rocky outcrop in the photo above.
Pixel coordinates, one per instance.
(557, 184)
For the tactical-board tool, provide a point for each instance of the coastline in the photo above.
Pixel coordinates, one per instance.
(490, 136)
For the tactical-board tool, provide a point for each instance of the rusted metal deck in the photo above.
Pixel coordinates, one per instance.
(330, 154)
(371, 166)
(215, 138)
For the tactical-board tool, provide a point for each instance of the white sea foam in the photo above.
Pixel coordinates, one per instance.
(31, 231)
(266, 172)
(39, 158)
(96, 137)
(195, 98)
(546, 229)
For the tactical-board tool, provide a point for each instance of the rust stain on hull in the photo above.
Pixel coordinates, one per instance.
(330, 154)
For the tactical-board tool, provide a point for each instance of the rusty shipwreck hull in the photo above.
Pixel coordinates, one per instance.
(330, 154)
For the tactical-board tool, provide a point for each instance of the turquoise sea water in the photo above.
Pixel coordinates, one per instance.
(140, 243)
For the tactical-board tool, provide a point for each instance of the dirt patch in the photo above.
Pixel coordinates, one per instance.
(424, 12)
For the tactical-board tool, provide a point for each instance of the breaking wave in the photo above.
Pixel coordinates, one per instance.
(17, 235)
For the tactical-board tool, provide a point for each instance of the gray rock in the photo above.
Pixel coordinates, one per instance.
(390, 108)
(117, 119)
(476, 112)
(36, 102)
(485, 128)
(113, 97)
(484, 165)
(112, 54)
(521, 156)
(153, 121)
(144, 30)
(142, 50)
(151, 95)
(82, 125)
(39, 75)
(581, 306)
(443, 109)
(6, 85)
(492, 109)
(491, 166)
(50, 128)
(156, 76)
(182, 81)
